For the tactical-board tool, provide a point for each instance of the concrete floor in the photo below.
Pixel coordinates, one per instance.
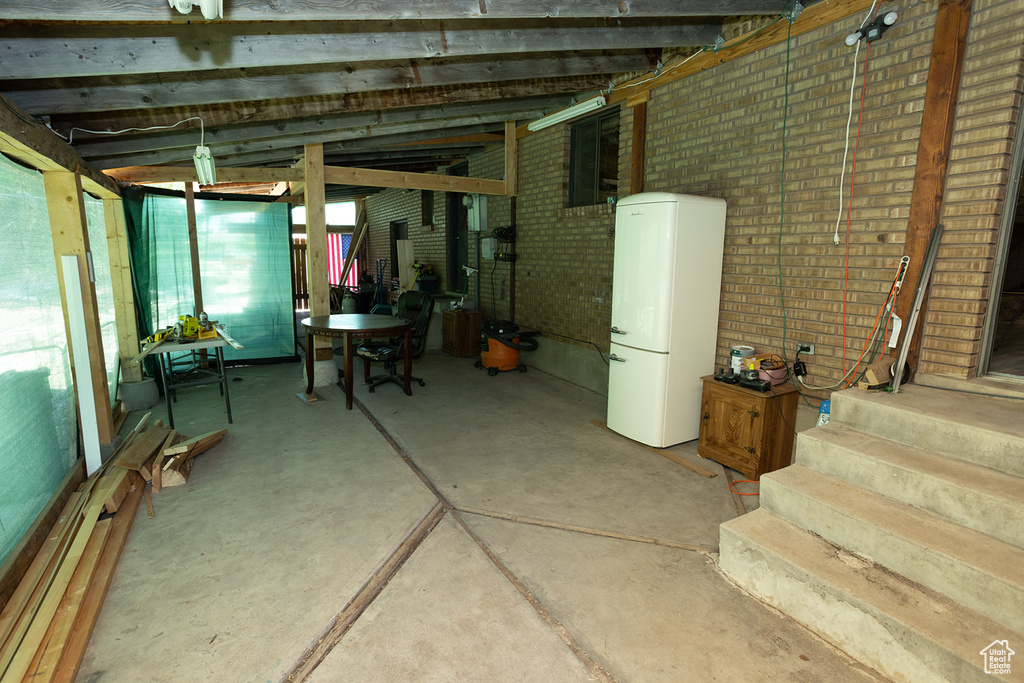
(565, 552)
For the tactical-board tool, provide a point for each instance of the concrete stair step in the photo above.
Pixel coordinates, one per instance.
(979, 429)
(978, 571)
(977, 497)
(900, 628)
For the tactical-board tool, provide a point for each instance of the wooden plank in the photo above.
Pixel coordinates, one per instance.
(35, 540)
(115, 489)
(361, 228)
(186, 446)
(37, 146)
(54, 52)
(178, 476)
(187, 174)
(406, 259)
(665, 453)
(142, 448)
(193, 249)
(43, 666)
(149, 502)
(228, 338)
(148, 349)
(316, 245)
(69, 230)
(361, 77)
(949, 44)
(511, 159)
(121, 283)
(636, 161)
(122, 11)
(74, 648)
(29, 640)
(340, 175)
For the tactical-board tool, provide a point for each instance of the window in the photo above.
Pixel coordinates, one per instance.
(594, 160)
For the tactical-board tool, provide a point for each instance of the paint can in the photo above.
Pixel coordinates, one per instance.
(740, 352)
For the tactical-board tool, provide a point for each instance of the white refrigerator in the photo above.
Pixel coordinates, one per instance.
(665, 296)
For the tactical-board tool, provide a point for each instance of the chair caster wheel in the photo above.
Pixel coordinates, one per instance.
(372, 389)
(492, 371)
(422, 383)
(478, 364)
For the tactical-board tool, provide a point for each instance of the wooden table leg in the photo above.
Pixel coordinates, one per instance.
(408, 360)
(309, 364)
(348, 372)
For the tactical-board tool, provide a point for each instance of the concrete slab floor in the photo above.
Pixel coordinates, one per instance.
(285, 520)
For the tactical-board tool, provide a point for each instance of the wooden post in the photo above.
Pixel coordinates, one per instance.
(66, 209)
(949, 44)
(193, 248)
(511, 160)
(636, 164)
(316, 245)
(121, 282)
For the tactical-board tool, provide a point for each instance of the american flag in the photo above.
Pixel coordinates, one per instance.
(337, 247)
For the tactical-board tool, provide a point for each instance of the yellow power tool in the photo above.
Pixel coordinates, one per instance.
(190, 328)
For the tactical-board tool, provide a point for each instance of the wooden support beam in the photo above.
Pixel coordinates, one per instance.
(316, 246)
(193, 248)
(70, 232)
(43, 53)
(121, 282)
(511, 160)
(36, 145)
(340, 175)
(319, 10)
(368, 76)
(315, 106)
(187, 174)
(636, 161)
(949, 43)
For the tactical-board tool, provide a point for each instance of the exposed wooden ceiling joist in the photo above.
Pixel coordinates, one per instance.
(296, 141)
(55, 97)
(73, 51)
(187, 136)
(261, 110)
(118, 11)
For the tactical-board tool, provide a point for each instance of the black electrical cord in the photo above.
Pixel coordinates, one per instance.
(581, 341)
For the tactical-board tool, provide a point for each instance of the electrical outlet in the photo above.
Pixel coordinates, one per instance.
(806, 349)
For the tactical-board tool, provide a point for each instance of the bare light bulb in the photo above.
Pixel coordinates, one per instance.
(852, 39)
(890, 18)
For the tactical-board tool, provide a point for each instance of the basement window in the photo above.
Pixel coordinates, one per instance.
(594, 160)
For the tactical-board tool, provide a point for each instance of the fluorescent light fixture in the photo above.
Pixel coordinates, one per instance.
(204, 166)
(572, 112)
(211, 9)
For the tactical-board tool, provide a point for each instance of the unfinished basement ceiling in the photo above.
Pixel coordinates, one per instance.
(401, 86)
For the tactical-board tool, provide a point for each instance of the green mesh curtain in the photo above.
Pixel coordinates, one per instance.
(37, 404)
(245, 267)
(104, 289)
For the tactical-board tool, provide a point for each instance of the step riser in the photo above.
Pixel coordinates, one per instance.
(869, 636)
(960, 504)
(968, 585)
(958, 440)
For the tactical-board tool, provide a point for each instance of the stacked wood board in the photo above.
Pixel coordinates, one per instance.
(46, 624)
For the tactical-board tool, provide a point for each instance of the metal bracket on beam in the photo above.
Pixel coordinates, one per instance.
(795, 12)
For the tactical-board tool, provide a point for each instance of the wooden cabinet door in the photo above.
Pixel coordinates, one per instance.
(732, 427)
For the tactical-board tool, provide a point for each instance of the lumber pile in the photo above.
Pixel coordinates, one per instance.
(46, 624)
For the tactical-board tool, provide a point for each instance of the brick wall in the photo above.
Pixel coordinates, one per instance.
(429, 245)
(720, 133)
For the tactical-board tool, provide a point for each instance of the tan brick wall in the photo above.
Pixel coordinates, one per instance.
(429, 244)
(720, 133)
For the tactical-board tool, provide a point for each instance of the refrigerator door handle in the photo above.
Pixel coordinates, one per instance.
(616, 358)
(616, 330)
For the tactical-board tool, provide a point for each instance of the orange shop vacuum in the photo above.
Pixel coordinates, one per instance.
(500, 344)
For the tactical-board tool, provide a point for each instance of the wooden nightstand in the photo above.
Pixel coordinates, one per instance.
(461, 333)
(747, 430)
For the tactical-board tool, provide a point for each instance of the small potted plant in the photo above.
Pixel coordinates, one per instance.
(425, 278)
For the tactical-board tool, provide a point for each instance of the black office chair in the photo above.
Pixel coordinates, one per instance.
(414, 306)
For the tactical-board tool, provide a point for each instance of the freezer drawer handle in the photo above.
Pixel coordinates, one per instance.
(616, 330)
(616, 358)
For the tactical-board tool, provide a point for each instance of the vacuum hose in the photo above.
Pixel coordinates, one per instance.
(506, 331)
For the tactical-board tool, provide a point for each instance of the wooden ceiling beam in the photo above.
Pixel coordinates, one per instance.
(37, 146)
(68, 98)
(343, 175)
(120, 11)
(289, 142)
(263, 110)
(187, 174)
(34, 52)
(97, 146)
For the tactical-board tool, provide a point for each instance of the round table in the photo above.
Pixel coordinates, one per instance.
(355, 326)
